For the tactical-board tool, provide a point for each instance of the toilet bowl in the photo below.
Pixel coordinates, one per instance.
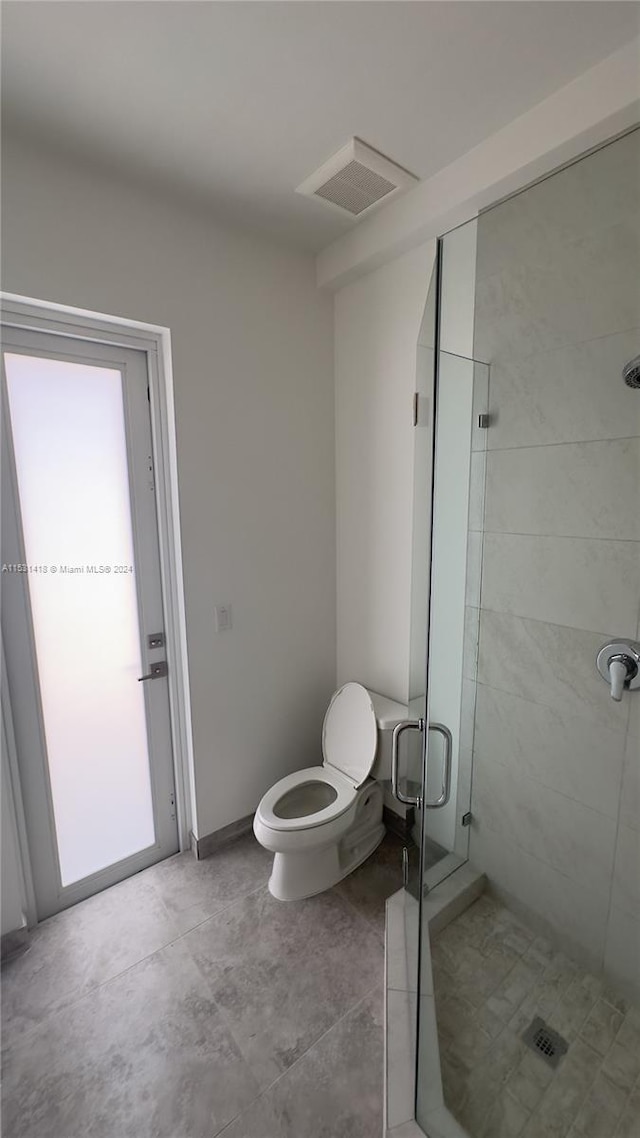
(322, 822)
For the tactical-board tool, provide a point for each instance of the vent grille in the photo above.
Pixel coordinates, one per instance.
(355, 188)
(356, 178)
(546, 1042)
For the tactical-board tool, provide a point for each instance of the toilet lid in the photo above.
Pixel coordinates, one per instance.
(350, 733)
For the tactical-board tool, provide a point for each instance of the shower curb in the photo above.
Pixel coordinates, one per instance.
(442, 905)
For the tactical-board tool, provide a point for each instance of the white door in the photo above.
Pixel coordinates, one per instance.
(82, 615)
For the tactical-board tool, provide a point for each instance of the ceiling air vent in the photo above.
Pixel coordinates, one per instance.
(356, 179)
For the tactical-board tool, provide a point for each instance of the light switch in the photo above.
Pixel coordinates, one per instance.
(223, 618)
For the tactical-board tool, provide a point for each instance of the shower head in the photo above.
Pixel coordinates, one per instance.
(631, 372)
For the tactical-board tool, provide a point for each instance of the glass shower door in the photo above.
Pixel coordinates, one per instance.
(450, 446)
(447, 702)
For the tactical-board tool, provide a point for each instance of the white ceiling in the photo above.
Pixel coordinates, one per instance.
(235, 103)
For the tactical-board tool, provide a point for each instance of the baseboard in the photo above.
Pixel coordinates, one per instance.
(204, 847)
(14, 944)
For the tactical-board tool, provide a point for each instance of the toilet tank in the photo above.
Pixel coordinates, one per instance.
(388, 713)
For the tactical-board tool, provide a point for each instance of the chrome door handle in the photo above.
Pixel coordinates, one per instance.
(403, 725)
(157, 670)
(446, 770)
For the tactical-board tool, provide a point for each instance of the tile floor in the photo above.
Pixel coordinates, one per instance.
(492, 975)
(186, 1003)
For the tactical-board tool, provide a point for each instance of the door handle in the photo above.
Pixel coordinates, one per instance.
(403, 725)
(446, 770)
(157, 670)
(418, 725)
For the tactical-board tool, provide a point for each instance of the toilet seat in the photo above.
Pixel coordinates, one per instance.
(322, 822)
(345, 796)
(349, 741)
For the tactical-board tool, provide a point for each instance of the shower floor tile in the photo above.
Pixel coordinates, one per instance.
(492, 976)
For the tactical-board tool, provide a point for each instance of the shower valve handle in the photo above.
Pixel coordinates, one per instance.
(620, 668)
(619, 664)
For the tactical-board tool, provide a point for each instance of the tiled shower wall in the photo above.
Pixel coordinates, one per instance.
(556, 803)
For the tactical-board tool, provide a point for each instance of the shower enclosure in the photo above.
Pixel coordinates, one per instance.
(526, 563)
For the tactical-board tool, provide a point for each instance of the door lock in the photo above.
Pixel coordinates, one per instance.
(157, 670)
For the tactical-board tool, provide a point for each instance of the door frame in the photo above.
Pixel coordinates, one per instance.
(22, 312)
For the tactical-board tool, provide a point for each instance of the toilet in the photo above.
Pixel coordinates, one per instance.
(323, 822)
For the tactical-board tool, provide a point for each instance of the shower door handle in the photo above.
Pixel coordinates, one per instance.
(403, 725)
(446, 770)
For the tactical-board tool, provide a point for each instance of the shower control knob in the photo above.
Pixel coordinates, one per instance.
(619, 664)
(620, 668)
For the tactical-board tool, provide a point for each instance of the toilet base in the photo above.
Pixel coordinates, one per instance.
(298, 875)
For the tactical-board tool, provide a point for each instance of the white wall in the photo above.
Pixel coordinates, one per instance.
(377, 324)
(252, 355)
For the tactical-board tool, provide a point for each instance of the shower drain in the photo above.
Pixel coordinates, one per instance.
(545, 1042)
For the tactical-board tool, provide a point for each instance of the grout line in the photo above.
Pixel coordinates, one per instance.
(204, 980)
(556, 536)
(607, 923)
(76, 998)
(543, 620)
(561, 443)
(304, 1054)
(560, 996)
(571, 344)
(575, 714)
(532, 778)
(364, 920)
(505, 839)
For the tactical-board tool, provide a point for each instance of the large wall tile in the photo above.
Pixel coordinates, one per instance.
(590, 288)
(634, 710)
(481, 391)
(530, 227)
(556, 790)
(467, 715)
(570, 394)
(577, 490)
(563, 751)
(470, 650)
(622, 955)
(630, 796)
(549, 664)
(580, 582)
(474, 568)
(568, 910)
(626, 876)
(568, 836)
(477, 483)
(463, 801)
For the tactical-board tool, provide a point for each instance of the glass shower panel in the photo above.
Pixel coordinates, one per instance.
(456, 556)
(411, 745)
